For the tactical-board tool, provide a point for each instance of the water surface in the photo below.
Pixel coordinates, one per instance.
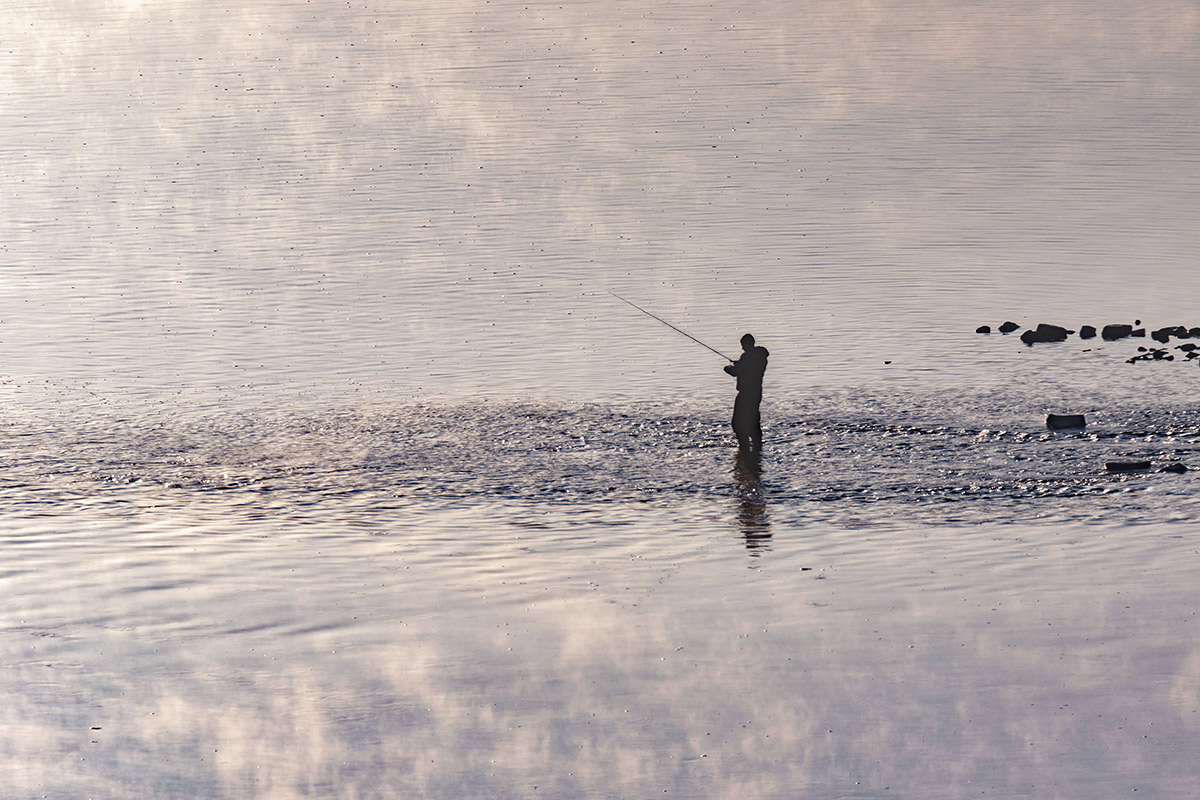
(332, 469)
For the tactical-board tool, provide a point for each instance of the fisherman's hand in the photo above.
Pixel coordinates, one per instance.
(729, 368)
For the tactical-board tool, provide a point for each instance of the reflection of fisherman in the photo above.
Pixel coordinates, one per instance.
(752, 516)
(749, 369)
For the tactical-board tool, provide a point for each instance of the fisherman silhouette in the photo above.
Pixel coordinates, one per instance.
(749, 369)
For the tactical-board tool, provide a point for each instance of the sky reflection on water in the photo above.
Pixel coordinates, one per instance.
(895, 665)
(434, 201)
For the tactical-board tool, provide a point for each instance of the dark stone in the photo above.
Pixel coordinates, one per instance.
(1046, 333)
(1176, 467)
(1139, 332)
(1187, 348)
(1009, 327)
(1164, 334)
(1060, 422)
(983, 329)
(1127, 466)
(1087, 332)
(1052, 333)
(1194, 333)
(1113, 332)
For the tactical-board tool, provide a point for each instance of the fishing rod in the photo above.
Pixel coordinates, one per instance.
(669, 325)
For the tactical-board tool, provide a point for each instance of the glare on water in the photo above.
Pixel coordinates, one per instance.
(332, 467)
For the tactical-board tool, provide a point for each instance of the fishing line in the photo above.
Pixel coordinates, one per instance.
(669, 325)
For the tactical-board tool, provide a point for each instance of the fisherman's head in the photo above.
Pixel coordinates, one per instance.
(747, 342)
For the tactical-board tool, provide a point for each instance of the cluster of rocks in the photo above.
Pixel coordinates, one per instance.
(1110, 333)
(1190, 351)
(1057, 333)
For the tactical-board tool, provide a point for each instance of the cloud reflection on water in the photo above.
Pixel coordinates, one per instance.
(919, 661)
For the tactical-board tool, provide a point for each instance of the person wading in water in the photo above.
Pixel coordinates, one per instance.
(749, 369)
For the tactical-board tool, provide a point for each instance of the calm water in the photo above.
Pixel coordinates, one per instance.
(332, 469)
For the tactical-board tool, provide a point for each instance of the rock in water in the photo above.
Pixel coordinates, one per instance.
(1113, 332)
(1175, 467)
(1046, 333)
(1009, 327)
(1150, 354)
(983, 329)
(1164, 334)
(1127, 466)
(1060, 422)
(1087, 332)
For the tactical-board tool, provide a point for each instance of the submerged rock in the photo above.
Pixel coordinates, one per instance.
(1126, 466)
(1175, 467)
(1064, 421)
(1151, 354)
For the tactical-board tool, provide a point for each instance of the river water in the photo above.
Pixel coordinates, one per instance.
(332, 467)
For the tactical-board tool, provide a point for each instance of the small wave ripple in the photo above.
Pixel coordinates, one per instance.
(852, 458)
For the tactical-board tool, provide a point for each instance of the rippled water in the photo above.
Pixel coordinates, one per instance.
(331, 467)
